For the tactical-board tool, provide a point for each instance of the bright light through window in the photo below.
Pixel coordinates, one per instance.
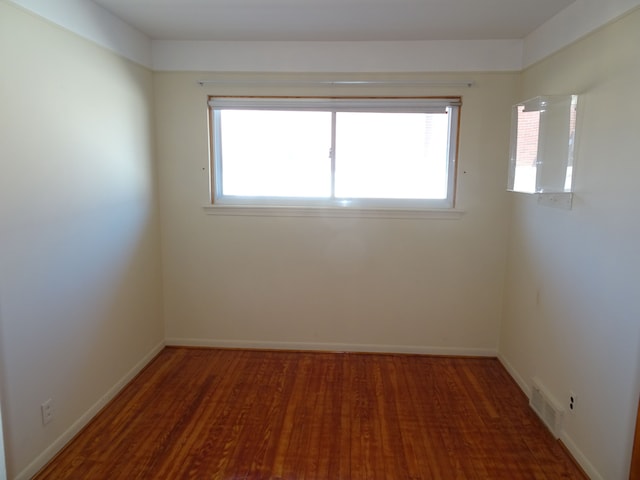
(391, 155)
(335, 152)
(275, 153)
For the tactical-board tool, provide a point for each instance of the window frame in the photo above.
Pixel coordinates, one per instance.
(295, 206)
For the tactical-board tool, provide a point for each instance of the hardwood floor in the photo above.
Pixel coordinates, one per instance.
(236, 414)
(634, 474)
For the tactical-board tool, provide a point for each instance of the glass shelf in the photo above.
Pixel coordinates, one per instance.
(542, 145)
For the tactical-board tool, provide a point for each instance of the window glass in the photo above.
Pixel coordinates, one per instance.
(275, 153)
(391, 155)
(334, 152)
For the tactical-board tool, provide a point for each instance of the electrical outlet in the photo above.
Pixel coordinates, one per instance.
(572, 402)
(47, 411)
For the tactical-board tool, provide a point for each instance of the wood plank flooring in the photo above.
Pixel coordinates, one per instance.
(238, 414)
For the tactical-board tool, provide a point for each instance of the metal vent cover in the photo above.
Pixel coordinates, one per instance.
(546, 407)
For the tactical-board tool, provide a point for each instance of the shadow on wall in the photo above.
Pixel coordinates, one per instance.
(3, 465)
(80, 258)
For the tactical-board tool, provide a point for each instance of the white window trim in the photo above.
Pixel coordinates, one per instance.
(322, 104)
(332, 212)
(360, 207)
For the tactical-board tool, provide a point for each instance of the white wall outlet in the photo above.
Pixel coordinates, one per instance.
(47, 411)
(572, 402)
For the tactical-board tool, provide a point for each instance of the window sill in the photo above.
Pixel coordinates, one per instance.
(337, 212)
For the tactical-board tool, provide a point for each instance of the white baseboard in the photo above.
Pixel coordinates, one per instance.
(568, 442)
(42, 459)
(331, 347)
(579, 457)
(524, 385)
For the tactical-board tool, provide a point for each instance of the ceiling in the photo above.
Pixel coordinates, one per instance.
(334, 20)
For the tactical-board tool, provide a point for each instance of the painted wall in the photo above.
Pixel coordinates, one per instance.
(428, 285)
(3, 463)
(583, 331)
(79, 270)
(94, 23)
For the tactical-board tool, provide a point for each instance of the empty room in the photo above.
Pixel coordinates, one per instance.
(319, 239)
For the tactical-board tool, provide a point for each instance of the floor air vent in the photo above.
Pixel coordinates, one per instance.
(546, 407)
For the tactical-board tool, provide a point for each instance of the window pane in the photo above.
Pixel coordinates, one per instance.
(276, 153)
(392, 155)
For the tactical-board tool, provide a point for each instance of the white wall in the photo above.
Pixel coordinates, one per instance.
(584, 332)
(427, 285)
(79, 270)
(3, 463)
(579, 19)
(90, 21)
(305, 57)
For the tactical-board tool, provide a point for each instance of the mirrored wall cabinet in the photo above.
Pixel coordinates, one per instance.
(542, 148)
